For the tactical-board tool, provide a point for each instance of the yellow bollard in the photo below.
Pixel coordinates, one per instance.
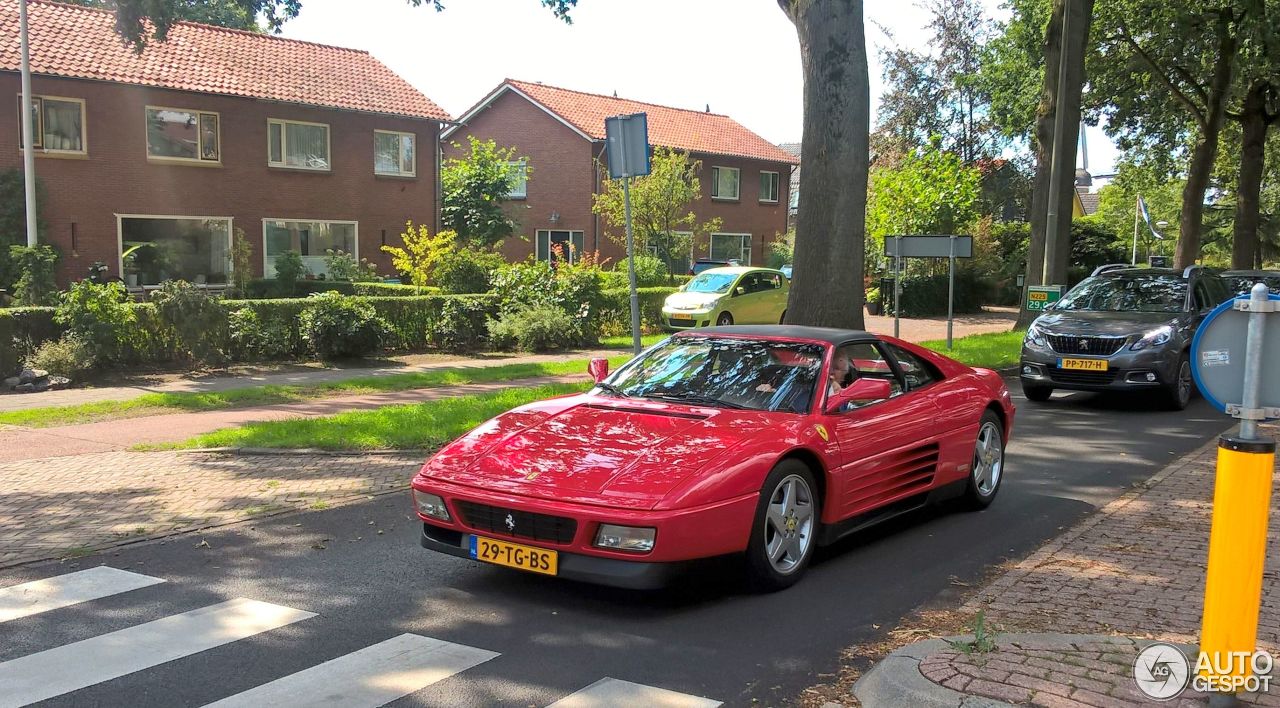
(1237, 552)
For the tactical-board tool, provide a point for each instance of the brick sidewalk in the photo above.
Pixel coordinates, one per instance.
(73, 505)
(1135, 569)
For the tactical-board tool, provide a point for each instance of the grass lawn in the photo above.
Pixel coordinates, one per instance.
(421, 426)
(991, 351)
(624, 341)
(160, 403)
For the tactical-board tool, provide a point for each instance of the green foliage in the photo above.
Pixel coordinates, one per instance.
(343, 266)
(467, 270)
(614, 317)
(198, 322)
(290, 269)
(662, 214)
(70, 356)
(983, 641)
(926, 295)
(929, 192)
(100, 316)
(1013, 67)
(35, 266)
(534, 329)
(249, 338)
(422, 252)
(651, 271)
(473, 190)
(13, 221)
(241, 264)
(338, 327)
(574, 289)
(781, 251)
(9, 344)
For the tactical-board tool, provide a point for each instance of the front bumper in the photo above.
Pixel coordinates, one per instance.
(671, 323)
(1127, 370)
(682, 535)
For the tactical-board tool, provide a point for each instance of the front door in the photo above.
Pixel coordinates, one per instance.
(883, 454)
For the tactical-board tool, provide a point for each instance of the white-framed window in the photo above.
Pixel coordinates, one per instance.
(298, 145)
(395, 153)
(156, 248)
(57, 124)
(182, 135)
(519, 179)
(731, 247)
(310, 239)
(556, 245)
(769, 187)
(725, 182)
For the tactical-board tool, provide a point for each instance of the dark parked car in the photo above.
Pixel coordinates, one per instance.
(1241, 281)
(1122, 329)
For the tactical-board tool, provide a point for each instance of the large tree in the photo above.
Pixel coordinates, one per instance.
(1258, 108)
(831, 220)
(474, 188)
(661, 207)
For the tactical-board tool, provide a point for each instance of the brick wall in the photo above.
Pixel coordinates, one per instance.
(116, 177)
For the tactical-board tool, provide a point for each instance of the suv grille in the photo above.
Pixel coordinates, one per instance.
(1092, 346)
(538, 527)
(1084, 378)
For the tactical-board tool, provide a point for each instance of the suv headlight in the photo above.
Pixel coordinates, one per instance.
(638, 539)
(1154, 338)
(1035, 338)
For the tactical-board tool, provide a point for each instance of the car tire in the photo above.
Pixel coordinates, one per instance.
(725, 319)
(987, 469)
(1039, 394)
(1178, 392)
(785, 532)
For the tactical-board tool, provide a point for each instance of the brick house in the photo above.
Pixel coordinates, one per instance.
(164, 154)
(745, 179)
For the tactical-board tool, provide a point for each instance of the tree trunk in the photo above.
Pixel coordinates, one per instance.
(831, 220)
(1206, 149)
(1253, 124)
(1081, 18)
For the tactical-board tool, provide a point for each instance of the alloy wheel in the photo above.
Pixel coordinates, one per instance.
(789, 526)
(988, 459)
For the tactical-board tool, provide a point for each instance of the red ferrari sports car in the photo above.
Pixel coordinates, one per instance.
(763, 441)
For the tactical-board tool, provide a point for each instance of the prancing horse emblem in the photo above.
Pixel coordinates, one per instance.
(511, 523)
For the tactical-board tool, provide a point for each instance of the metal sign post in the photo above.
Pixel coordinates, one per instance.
(1229, 349)
(627, 138)
(949, 246)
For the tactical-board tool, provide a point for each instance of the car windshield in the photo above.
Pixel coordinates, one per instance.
(724, 372)
(1135, 293)
(1242, 284)
(711, 283)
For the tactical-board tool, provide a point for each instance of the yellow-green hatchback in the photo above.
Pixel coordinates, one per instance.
(726, 296)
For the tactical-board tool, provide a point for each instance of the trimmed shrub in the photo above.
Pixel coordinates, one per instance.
(467, 271)
(100, 315)
(32, 326)
(926, 296)
(290, 269)
(536, 329)
(35, 266)
(9, 344)
(392, 290)
(249, 338)
(576, 290)
(338, 327)
(615, 309)
(196, 320)
(70, 356)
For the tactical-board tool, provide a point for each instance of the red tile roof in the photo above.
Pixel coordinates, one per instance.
(80, 42)
(694, 131)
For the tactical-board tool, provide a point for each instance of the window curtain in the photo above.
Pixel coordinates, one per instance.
(62, 130)
(386, 153)
(307, 146)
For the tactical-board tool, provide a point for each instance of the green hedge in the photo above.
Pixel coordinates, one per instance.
(261, 289)
(8, 346)
(927, 296)
(615, 310)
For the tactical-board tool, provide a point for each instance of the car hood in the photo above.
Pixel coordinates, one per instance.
(692, 300)
(597, 450)
(1107, 324)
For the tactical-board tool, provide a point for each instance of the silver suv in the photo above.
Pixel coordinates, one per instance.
(1121, 329)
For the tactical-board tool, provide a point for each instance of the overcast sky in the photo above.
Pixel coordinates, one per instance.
(738, 56)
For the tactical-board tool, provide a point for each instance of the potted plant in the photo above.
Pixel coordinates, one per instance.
(873, 301)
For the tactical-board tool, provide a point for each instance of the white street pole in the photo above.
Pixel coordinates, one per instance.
(1258, 297)
(951, 290)
(631, 267)
(28, 152)
(1055, 160)
(897, 282)
(1136, 210)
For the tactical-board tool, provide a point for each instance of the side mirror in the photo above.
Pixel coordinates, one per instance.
(739, 290)
(862, 390)
(598, 368)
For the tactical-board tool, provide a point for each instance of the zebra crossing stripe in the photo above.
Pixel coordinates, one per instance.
(67, 668)
(17, 601)
(614, 693)
(366, 678)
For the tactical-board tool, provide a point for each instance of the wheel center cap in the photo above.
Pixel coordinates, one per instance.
(792, 523)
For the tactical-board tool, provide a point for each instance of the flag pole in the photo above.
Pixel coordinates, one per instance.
(28, 152)
(1137, 208)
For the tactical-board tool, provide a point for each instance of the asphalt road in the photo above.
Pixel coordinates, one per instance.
(704, 638)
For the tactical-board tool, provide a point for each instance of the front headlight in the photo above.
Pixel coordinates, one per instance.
(1154, 338)
(637, 539)
(1035, 338)
(431, 505)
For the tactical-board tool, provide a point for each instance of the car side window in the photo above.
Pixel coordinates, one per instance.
(868, 361)
(748, 283)
(917, 372)
(1203, 300)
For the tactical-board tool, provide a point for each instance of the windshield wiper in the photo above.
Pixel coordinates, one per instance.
(610, 388)
(695, 399)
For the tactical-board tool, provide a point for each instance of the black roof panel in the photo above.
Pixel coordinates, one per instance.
(821, 334)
